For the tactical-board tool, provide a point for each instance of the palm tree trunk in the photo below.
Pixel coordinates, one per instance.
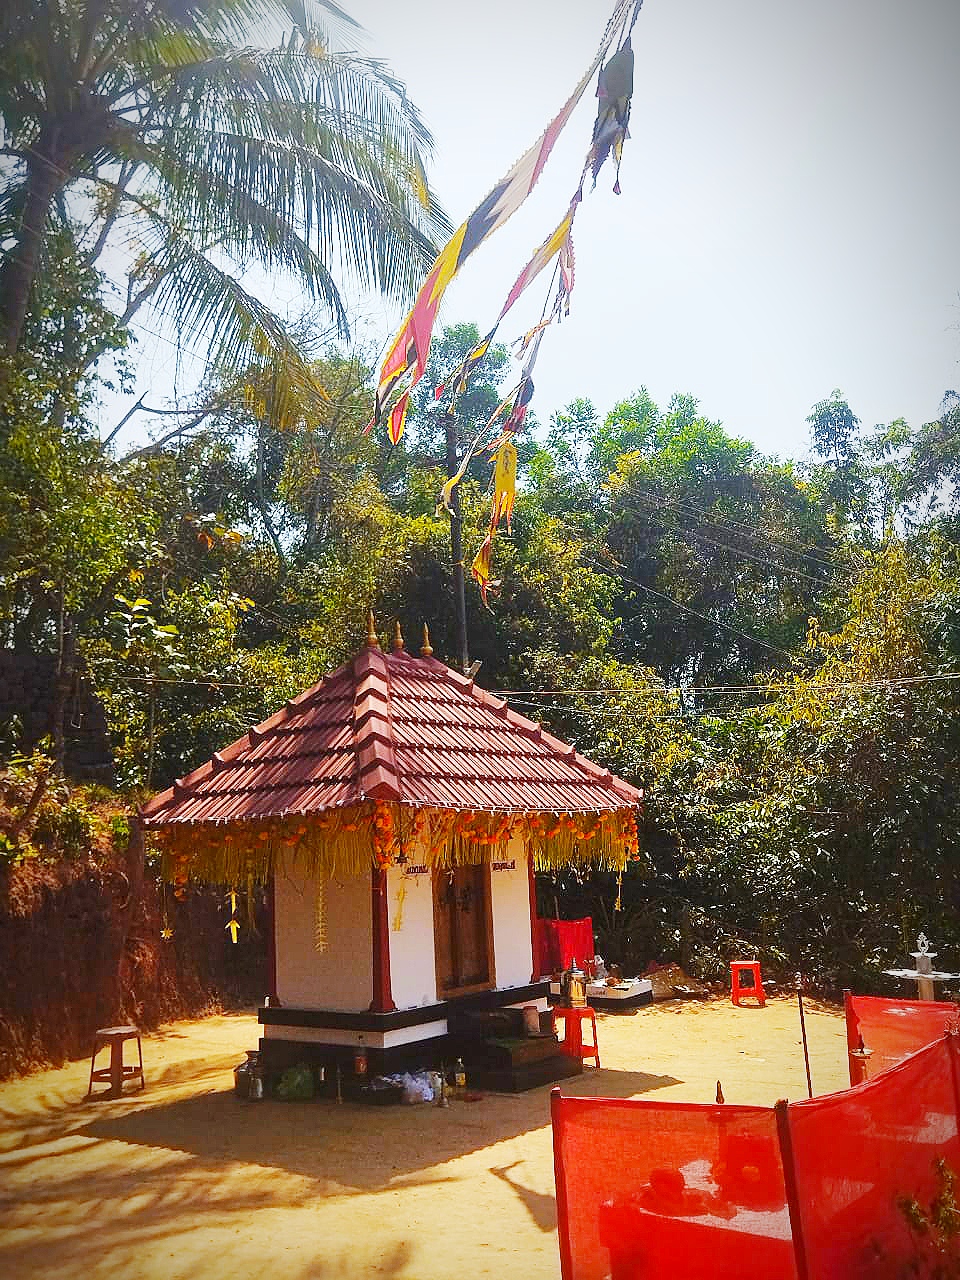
(44, 179)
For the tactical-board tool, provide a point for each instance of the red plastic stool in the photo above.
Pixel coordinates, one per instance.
(572, 1042)
(738, 970)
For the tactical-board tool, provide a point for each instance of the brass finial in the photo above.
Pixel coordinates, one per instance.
(397, 639)
(426, 650)
(372, 641)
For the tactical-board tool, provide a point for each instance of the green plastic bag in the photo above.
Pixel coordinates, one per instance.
(296, 1084)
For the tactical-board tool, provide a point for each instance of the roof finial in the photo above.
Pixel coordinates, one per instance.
(372, 641)
(425, 649)
(397, 639)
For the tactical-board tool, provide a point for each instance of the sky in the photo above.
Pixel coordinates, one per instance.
(789, 207)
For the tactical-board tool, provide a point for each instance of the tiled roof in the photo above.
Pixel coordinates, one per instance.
(397, 728)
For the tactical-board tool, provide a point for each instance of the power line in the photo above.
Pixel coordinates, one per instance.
(724, 546)
(737, 551)
(687, 507)
(773, 687)
(714, 622)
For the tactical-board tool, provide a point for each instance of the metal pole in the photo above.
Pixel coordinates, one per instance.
(803, 1035)
(456, 544)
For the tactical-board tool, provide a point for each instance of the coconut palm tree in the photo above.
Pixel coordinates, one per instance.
(196, 150)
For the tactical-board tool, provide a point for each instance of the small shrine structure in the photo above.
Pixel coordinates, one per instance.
(397, 813)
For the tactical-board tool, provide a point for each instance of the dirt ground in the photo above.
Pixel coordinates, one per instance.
(185, 1180)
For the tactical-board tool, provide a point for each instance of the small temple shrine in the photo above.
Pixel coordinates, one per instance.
(397, 814)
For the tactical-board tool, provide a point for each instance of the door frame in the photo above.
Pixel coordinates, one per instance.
(491, 982)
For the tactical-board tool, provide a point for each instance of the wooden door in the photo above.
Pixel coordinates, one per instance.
(462, 930)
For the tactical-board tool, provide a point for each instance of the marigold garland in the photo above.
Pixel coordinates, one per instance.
(349, 841)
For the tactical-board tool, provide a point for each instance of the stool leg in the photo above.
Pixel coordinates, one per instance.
(116, 1068)
(93, 1061)
(143, 1083)
(761, 994)
(578, 1037)
(596, 1047)
(735, 986)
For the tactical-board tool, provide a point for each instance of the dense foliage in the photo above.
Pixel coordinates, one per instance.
(730, 631)
(769, 648)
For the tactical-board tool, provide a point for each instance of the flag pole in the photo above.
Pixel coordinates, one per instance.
(803, 1034)
(456, 544)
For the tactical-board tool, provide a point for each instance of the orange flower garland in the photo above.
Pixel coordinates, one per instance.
(347, 840)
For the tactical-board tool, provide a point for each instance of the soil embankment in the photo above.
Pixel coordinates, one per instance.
(68, 967)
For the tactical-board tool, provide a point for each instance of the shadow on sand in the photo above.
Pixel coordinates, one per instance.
(344, 1145)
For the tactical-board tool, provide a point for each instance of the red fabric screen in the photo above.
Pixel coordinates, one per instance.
(669, 1189)
(561, 941)
(893, 1029)
(856, 1153)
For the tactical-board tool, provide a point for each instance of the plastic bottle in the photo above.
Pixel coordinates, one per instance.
(360, 1059)
(459, 1078)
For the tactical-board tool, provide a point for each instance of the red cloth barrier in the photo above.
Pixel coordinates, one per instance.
(559, 942)
(857, 1153)
(651, 1189)
(808, 1191)
(893, 1029)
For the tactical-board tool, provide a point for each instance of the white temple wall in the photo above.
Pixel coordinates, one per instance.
(340, 976)
(510, 895)
(413, 968)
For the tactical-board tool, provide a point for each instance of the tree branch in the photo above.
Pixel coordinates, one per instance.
(104, 444)
(179, 430)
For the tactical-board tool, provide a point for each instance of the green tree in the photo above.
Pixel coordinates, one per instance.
(842, 840)
(722, 553)
(171, 130)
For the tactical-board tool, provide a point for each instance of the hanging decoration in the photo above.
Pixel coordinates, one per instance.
(166, 933)
(342, 842)
(233, 924)
(614, 91)
(610, 130)
(406, 358)
(320, 918)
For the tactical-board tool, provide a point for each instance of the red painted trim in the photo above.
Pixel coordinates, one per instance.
(532, 885)
(272, 943)
(382, 1001)
(782, 1111)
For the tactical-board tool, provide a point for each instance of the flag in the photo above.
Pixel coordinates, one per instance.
(551, 247)
(504, 482)
(460, 376)
(406, 358)
(480, 569)
(614, 91)
(558, 244)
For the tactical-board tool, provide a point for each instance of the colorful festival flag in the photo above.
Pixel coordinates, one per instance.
(406, 358)
(504, 482)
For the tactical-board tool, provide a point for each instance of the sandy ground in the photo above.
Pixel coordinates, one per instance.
(184, 1180)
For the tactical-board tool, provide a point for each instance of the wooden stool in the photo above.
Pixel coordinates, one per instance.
(572, 1042)
(738, 988)
(116, 1073)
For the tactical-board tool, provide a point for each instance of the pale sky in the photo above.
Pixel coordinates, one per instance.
(788, 222)
(790, 205)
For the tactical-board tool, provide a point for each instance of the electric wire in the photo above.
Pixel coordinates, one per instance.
(655, 505)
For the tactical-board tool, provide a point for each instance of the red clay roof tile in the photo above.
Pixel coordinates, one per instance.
(398, 728)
